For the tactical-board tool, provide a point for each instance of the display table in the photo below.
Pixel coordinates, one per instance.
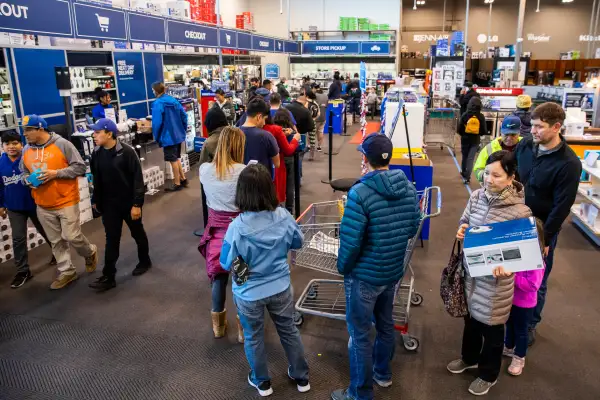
(423, 179)
(589, 141)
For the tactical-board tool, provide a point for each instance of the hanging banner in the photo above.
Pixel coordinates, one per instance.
(147, 28)
(279, 46)
(93, 22)
(363, 76)
(129, 69)
(262, 43)
(271, 71)
(291, 47)
(228, 38)
(244, 41)
(330, 48)
(188, 34)
(32, 16)
(375, 48)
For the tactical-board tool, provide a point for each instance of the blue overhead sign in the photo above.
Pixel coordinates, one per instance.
(279, 46)
(262, 43)
(147, 28)
(382, 48)
(47, 17)
(188, 34)
(330, 48)
(244, 41)
(228, 38)
(291, 47)
(94, 22)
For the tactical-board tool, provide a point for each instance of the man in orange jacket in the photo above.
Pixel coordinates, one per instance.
(51, 165)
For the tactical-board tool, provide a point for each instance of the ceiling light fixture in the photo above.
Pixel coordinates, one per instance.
(488, 2)
(567, 1)
(415, 5)
(538, 7)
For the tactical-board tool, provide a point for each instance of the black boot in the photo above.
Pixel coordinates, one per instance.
(103, 283)
(141, 268)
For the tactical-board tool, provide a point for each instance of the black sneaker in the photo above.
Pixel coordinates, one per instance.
(264, 388)
(141, 269)
(174, 188)
(20, 279)
(185, 183)
(302, 384)
(103, 283)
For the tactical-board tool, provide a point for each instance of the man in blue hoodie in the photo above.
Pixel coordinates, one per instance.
(16, 200)
(381, 215)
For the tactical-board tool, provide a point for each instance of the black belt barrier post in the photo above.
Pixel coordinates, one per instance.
(345, 121)
(330, 152)
(297, 177)
(200, 232)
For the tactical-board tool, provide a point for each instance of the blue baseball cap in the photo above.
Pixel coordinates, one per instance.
(34, 121)
(107, 125)
(511, 125)
(377, 148)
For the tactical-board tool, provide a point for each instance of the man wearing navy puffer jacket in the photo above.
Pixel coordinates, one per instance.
(381, 215)
(15, 198)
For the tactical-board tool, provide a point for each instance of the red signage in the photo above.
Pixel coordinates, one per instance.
(485, 91)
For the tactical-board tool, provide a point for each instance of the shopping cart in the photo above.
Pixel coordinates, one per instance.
(320, 225)
(441, 124)
(103, 22)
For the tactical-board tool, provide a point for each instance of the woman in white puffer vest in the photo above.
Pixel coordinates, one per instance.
(489, 297)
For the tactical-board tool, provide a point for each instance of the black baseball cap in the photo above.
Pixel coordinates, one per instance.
(377, 148)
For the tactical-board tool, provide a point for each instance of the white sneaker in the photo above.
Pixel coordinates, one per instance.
(383, 384)
(302, 384)
(264, 388)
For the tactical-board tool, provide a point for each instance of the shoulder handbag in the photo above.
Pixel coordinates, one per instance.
(452, 286)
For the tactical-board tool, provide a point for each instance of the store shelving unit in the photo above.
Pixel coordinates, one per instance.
(327, 34)
(585, 213)
(84, 81)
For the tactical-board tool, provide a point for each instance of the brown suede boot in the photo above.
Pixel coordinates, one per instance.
(240, 335)
(219, 323)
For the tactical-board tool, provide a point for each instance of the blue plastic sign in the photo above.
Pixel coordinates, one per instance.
(47, 17)
(375, 48)
(363, 76)
(279, 46)
(262, 43)
(130, 76)
(291, 47)
(94, 22)
(271, 71)
(228, 38)
(188, 34)
(330, 47)
(244, 41)
(147, 28)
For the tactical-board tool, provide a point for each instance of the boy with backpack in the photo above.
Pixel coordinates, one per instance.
(471, 126)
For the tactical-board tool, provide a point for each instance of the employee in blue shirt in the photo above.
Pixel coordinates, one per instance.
(103, 109)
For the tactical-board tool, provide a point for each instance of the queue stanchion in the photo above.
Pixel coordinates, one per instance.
(330, 152)
(198, 146)
(345, 121)
(297, 178)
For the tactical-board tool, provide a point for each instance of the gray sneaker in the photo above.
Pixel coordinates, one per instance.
(459, 366)
(479, 387)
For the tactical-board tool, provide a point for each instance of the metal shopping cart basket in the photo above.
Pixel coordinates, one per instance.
(441, 126)
(320, 225)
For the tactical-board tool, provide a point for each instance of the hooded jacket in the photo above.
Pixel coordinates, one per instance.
(304, 120)
(525, 117)
(381, 215)
(14, 195)
(335, 90)
(56, 154)
(466, 98)
(473, 110)
(490, 299)
(263, 240)
(169, 121)
(282, 91)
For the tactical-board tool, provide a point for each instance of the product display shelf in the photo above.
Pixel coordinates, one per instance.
(585, 214)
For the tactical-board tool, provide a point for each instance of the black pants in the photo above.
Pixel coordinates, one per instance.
(517, 329)
(289, 184)
(469, 151)
(113, 218)
(18, 222)
(483, 344)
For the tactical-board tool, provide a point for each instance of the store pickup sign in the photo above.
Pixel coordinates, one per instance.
(43, 17)
(330, 48)
(186, 34)
(499, 91)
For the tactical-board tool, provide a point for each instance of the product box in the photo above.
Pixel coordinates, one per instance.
(513, 245)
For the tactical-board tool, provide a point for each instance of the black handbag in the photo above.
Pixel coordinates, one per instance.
(452, 286)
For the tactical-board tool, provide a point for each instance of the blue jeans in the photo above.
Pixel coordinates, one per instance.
(366, 303)
(516, 330)
(252, 316)
(541, 297)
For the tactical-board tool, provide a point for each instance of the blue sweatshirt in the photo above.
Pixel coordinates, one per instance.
(14, 195)
(169, 121)
(263, 240)
(99, 112)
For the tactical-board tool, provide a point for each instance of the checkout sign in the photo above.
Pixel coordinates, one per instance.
(33, 16)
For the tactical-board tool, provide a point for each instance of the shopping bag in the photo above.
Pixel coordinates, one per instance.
(452, 286)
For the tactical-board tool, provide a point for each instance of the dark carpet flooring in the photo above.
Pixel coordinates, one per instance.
(151, 338)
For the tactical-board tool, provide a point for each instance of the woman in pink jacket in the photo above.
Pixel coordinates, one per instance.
(219, 181)
(527, 284)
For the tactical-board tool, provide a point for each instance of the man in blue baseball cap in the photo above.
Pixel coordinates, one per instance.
(381, 215)
(510, 136)
(119, 197)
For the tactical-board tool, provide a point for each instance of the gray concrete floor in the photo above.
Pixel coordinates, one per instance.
(150, 338)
